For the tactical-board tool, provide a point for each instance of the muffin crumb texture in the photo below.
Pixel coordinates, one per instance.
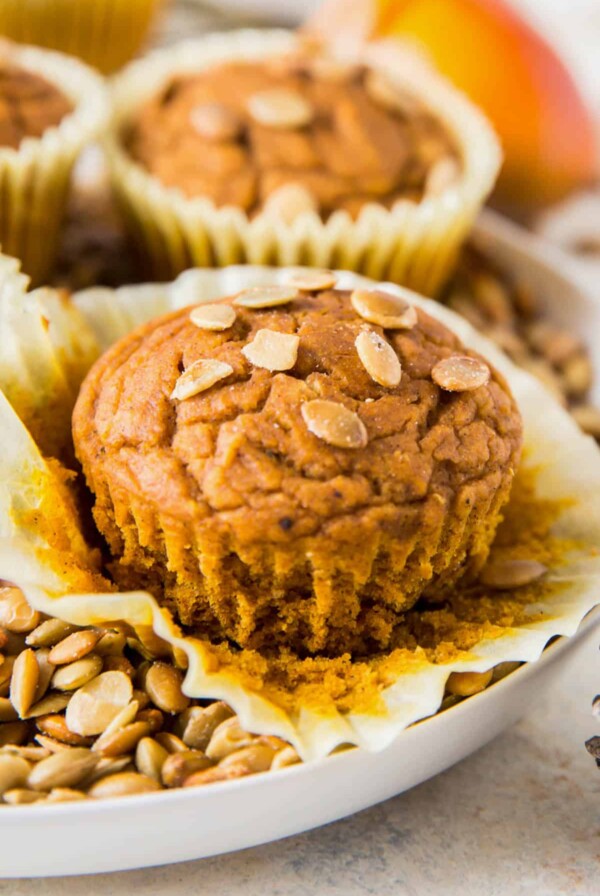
(305, 508)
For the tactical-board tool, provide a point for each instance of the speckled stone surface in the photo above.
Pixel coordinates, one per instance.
(519, 818)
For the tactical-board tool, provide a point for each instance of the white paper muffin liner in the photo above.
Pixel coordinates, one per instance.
(106, 33)
(414, 243)
(34, 179)
(566, 462)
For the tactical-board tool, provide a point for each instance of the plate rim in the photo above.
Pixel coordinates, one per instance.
(171, 798)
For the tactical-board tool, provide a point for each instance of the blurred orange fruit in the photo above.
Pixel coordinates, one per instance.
(488, 50)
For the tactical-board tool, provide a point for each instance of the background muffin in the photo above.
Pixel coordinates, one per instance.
(292, 135)
(105, 33)
(296, 475)
(247, 147)
(50, 107)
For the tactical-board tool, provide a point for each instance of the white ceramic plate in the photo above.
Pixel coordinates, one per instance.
(154, 829)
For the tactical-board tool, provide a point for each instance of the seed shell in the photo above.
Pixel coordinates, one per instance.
(334, 423)
(150, 757)
(504, 575)
(312, 279)
(123, 784)
(265, 296)
(461, 373)
(74, 647)
(281, 108)
(75, 675)
(213, 317)
(49, 632)
(15, 613)
(199, 377)
(378, 358)
(384, 309)
(163, 684)
(272, 350)
(64, 769)
(214, 121)
(95, 705)
(24, 681)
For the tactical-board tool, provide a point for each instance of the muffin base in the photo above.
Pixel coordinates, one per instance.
(364, 570)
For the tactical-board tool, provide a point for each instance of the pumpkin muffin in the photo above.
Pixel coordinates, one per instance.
(51, 106)
(29, 104)
(252, 147)
(294, 466)
(291, 135)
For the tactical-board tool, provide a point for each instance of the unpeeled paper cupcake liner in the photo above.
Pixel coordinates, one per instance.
(105, 33)
(34, 179)
(566, 465)
(414, 243)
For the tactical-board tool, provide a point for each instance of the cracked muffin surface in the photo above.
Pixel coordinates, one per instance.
(305, 507)
(290, 135)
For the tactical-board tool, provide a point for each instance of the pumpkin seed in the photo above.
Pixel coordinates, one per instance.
(64, 769)
(280, 108)
(75, 675)
(378, 358)
(460, 373)
(163, 686)
(95, 705)
(74, 647)
(334, 423)
(24, 681)
(199, 377)
(272, 350)
(213, 317)
(123, 784)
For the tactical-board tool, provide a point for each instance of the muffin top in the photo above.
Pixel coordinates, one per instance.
(29, 105)
(290, 135)
(274, 412)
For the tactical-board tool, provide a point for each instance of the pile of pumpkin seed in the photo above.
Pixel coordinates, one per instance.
(513, 316)
(94, 712)
(91, 713)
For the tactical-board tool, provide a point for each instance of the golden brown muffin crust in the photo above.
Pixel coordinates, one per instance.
(29, 105)
(245, 523)
(351, 149)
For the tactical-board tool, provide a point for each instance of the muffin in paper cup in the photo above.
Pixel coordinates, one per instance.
(35, 176)
(104, 33)
(317, 703)
(413, 242)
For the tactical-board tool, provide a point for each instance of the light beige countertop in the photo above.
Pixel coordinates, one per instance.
(519, 818)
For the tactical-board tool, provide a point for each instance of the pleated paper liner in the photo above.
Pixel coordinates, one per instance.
(414, 243)
(317, 704)
(105, 33)
(34, 179)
